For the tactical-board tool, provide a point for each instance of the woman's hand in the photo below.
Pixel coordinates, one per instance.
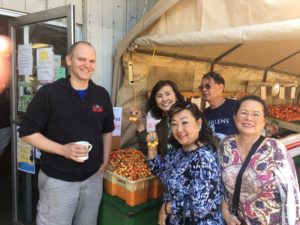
(136, 117)
(152, 142)
(162, 217)
(229, 218)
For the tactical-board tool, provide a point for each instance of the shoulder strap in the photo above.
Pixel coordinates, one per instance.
(237, 189)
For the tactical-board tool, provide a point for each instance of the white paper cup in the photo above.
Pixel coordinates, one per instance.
(87, 145)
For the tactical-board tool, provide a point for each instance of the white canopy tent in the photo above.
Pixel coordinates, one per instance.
(256, 40)
(273, 46)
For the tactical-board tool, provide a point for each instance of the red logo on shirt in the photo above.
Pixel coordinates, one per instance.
(97, 108)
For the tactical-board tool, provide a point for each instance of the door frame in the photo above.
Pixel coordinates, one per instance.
(67, 12)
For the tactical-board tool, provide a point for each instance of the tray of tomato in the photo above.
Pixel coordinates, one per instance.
(129, 163)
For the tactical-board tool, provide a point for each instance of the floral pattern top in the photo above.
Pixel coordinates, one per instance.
(269, 190)
(192, 181)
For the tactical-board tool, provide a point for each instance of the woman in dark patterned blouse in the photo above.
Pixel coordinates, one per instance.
(190, 173)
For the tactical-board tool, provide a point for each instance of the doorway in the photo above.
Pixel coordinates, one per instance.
(42, 37)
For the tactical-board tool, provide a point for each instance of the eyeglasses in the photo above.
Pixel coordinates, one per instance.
(254, 115)
(206, 86)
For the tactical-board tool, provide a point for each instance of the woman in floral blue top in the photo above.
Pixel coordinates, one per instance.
(190, 173)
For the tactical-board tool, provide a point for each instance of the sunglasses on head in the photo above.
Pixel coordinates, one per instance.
(206, 86)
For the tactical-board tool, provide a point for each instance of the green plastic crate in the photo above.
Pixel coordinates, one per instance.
(114, 211)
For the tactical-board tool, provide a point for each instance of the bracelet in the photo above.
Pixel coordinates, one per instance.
(166, 209)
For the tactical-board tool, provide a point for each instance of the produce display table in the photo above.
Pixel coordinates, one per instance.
(114, 211)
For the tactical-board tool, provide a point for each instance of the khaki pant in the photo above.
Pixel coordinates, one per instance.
(69, 203)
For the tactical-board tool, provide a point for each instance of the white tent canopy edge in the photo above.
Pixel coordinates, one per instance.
(283, 30)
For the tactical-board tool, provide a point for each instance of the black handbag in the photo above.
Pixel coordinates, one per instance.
(238, 184)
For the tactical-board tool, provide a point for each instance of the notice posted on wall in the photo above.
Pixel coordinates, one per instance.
(26, 92)
(25, 59)
(25, 157)
(117, 121)
(60, 72)
(151, 123)
(45, 64)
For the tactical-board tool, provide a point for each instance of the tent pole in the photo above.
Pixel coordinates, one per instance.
(227, 52)
(265, 76)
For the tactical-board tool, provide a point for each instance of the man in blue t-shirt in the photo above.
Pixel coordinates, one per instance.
(219, 114)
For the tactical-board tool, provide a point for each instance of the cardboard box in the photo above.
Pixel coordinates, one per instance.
(133, 192)
(156, 188)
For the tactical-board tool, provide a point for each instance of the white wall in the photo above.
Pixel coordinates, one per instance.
(106, 22)
(31, 6)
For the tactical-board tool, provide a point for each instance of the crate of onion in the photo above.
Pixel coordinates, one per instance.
(129, 178)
